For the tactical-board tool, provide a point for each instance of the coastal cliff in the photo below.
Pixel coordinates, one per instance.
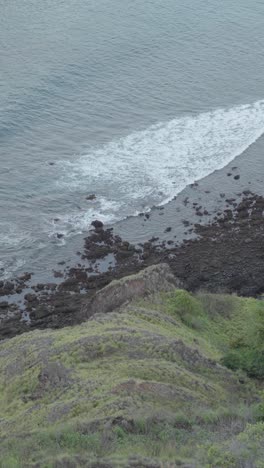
(157, 377)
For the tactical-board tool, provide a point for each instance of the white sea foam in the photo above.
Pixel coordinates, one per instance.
(77, 222)
(12, 239)
(11, 236)
(10, 266)
(151, 166)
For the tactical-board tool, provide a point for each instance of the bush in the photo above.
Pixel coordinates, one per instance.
(218, 304)
(187, 307)
(217, 457)
(249, 360)
(258, 412)
(10, 462)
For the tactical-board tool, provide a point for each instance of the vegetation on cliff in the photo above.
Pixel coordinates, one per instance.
(173, 379)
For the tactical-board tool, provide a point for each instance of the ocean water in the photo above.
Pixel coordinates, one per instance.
(128, 99)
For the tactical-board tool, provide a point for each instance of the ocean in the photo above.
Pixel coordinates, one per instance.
(129, 100)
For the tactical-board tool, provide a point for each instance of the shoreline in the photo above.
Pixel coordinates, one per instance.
(211, 235)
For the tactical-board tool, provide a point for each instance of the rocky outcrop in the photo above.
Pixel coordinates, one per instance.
(153, 279)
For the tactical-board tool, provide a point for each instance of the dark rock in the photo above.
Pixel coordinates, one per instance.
(91, 197)
(42, 312)
(168, 229)
(30, 297)
(25, 277)
(125, 246)
(237, 177)
(50, 286)
(124, 254)
(97, 224)
(147, 245)
(58, 274)
(145, 255)
(154, 239)
(186, 222)
(97, 251)
(7, 288)
(229, 214)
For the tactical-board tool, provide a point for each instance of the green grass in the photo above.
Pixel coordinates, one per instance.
(175, 378)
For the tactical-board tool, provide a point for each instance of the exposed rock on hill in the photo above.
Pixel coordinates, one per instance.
(153, 279)
(163, 381)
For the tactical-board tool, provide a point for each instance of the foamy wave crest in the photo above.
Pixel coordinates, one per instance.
(74, 223)
(150, 167)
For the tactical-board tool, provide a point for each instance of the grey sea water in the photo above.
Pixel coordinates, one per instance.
(128, 99)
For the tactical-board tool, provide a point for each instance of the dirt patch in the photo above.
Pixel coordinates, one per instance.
(158, 390)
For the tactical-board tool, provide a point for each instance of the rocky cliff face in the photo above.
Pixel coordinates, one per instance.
(140, 384)
(152, 280)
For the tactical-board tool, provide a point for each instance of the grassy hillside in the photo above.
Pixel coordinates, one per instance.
(175, 380)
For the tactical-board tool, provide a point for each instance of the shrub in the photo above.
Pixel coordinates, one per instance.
(249, 360)
(187, 307)
(258, 412)
(218, 304)
(120, 433)
(218, 458)
(10, 462)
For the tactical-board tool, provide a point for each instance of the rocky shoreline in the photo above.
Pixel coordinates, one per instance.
(224, 255)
